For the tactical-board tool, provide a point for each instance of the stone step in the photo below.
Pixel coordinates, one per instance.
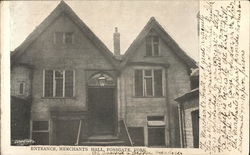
(103, 143)
(102, 138)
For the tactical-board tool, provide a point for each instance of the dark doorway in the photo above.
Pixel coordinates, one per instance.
(65, 132)
(195, 124)
(102, 110)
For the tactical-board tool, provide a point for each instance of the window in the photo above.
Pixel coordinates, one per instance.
(58, 83)
(40, 132)
(68, 38)
(63, 38)
(21, 88)
(195, 125)
(152, 46)
(148, 82)
(156, 131)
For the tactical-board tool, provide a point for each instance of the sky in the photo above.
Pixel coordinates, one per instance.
(178, 18)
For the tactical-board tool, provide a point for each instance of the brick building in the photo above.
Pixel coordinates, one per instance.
(80, 93)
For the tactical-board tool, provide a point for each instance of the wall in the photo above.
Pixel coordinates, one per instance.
(20, 74)
(44, 54)
(189, 106)
(177, 82)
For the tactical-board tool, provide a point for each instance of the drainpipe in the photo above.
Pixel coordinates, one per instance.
(180, 125)
(168, 106)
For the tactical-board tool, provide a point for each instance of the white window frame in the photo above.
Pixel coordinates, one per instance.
(54, 84)
(152, 75)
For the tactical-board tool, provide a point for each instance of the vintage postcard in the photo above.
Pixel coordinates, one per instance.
(125, 77)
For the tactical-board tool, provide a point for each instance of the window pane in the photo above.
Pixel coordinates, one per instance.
(156, 45)
(148, 46)
(40, 125)
(148, 72)
(59, 74)
(59, 87)
(158, 82)
(155, 118)
(48, 86)
(59, 83)
(69, 38)
(156, 49)
(138, 83)
(21, 88)
(156, 136)
(69, 83)
(59, 37)
(149, 88)
(40, 138)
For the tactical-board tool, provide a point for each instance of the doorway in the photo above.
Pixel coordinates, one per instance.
(101, 106)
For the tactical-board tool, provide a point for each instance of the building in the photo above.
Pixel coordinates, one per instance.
(80, 93)
(189, 113)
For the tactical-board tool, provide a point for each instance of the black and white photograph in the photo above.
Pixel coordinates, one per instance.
(124, 77)
(105, 73)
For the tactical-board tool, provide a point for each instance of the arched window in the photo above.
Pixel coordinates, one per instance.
(101, 79)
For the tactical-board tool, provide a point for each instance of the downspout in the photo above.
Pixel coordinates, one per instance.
(180, 125)
(168, 106)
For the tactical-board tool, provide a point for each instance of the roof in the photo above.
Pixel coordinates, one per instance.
(187, 96)
(153, 24)
(60, 9)
(195, 72)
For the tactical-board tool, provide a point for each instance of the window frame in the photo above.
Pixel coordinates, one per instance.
(160, 118)
(23, 88)
(152, 43)
(40, 131)
(153, 82)
(64, 38)
(54, 84)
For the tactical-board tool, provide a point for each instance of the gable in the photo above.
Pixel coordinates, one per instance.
(65, 10)
(82, 52)
(165, 38)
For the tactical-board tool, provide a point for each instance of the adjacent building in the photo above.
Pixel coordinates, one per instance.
(78, 92)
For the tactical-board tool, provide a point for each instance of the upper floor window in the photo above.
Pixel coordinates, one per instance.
(152, 46)
(148, 82)
(63, 37)
(58, 83)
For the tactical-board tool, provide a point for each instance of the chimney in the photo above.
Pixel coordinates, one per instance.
(116, 38)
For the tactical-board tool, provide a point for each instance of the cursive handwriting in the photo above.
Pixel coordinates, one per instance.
(223, 77)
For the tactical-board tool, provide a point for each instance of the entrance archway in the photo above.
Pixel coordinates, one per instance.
(101, 104)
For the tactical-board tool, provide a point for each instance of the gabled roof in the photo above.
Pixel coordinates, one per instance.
(63, 8)
(153, 24)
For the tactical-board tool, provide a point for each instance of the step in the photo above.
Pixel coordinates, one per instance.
(103, 138)
(101, 143)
